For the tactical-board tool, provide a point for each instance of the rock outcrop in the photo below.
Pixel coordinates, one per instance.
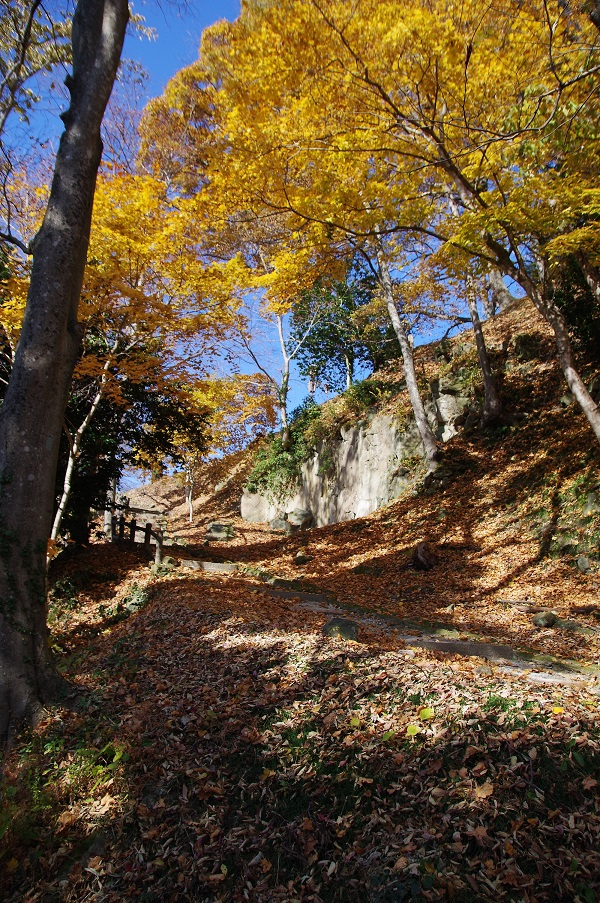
(366, 467)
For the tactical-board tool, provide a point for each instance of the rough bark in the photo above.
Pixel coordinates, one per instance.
(567, 361)
(425, 431)
(35, 402)
(492, 406)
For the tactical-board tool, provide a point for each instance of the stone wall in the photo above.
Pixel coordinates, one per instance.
(362, 469)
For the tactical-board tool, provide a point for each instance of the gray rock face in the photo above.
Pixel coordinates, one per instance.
(368, 466)
(341, 628)
(545, 619)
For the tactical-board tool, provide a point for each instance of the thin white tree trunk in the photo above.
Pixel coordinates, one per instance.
(349, 368)
(189, 492)
(492, 406)
(109, 513)
(282, 394)
(567, 362)
(75, 450)
(555, 319)
(426, 433)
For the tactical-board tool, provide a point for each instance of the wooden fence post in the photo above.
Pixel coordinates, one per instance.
(132, 529)
(147, 534)
(122, 527)
(159, 547)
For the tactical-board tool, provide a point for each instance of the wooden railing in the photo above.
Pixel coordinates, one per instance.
(123, 530)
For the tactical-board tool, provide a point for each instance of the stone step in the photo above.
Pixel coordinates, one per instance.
(210, 567)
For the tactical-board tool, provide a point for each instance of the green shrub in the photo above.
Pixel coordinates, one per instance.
(276, 471)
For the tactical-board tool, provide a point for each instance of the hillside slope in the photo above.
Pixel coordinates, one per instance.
(222, 748)
(520, 509)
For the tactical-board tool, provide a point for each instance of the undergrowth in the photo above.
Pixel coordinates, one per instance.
(276, 471)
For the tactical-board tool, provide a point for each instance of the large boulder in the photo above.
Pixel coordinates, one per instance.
(281, 525)
(256, 508)
(301, 518)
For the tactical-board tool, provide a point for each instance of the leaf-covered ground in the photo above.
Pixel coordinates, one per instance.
(224, 749)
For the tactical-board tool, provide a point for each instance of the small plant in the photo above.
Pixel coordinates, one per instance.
(62, 599)
(136, 598)
(64, 593)
(276, 469)
(326, 461)
(411, 462)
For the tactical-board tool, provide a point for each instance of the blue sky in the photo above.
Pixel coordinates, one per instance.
(178, 28)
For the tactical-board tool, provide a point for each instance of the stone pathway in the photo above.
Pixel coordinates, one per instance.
(533, 666)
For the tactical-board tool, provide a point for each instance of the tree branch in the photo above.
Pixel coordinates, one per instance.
(12, 240)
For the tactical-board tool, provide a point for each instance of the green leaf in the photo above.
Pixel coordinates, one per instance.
(412, 730)
(426, 713)
(355, 722)
(388, 735)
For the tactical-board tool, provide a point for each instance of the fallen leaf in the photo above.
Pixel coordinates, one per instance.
(484, 790)
(65, 819)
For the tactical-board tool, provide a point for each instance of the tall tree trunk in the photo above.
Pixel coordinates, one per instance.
(426, 433)
(283, 389)
(555, 319)
(492, 406)
(567, 361)
(33, 411)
